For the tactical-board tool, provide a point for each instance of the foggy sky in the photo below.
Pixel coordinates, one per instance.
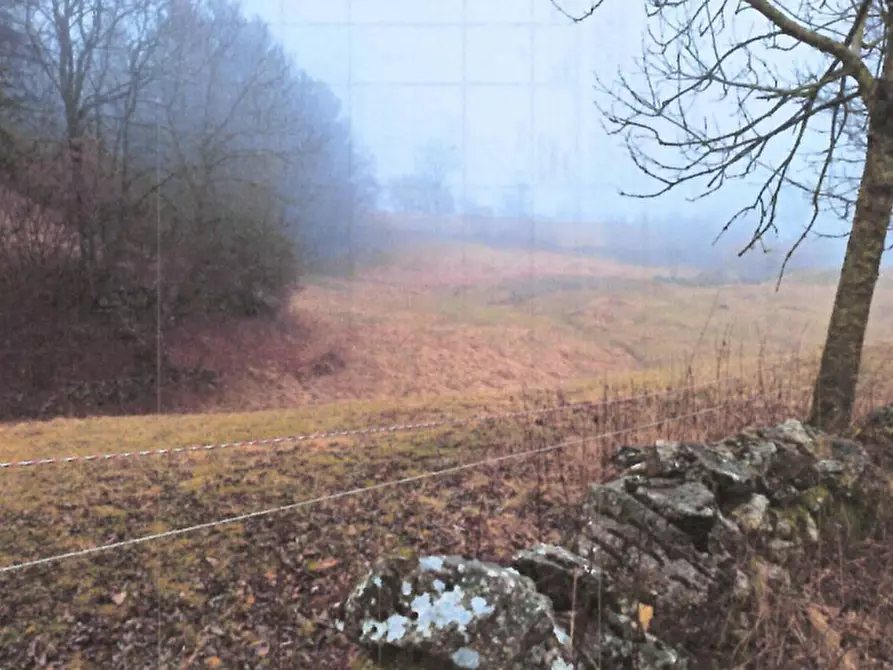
(507, 82)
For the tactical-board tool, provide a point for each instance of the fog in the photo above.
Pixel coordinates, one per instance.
(180, 160)
(493, 104)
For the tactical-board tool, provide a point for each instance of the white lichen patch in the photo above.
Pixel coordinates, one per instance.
(560, 635)
(560, 664)
(406, 589)
(466, 658)
(396, 627)
(391, 630)
(431, 612)
(481, 607)
(446, 610)
(438, 585)
(373, 629)
(431, 563)
(377, 581)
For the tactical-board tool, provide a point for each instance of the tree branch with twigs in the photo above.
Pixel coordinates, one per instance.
(795, 101)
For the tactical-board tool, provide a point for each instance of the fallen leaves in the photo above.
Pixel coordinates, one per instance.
(645, 615)
(323, 565)
(269, 583)
(832, 639)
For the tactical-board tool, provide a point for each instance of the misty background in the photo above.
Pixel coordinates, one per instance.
(168, 166)
(481, 122)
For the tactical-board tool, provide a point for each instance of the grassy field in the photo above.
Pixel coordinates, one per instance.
(461, 320)
(445, 335)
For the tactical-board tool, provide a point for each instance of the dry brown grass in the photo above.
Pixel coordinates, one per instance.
(263, 592)
(453, 319)
(414, 347)
(475, 265)
(465, 320)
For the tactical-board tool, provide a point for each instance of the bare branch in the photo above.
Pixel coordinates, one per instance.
(840, 50)
(593, 8)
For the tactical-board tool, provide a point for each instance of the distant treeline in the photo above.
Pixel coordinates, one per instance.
(669, 245)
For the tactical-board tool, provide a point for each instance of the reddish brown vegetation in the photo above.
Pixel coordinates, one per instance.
(79, 299)
(264, 593)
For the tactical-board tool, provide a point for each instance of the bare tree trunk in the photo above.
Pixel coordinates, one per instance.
(78, 218)
(835, 391)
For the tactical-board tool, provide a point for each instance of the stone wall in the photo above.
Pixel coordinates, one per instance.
(673, 549)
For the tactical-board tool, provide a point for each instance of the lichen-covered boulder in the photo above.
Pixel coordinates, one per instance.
(617, 643)
(753, 514)
(669, 530)
(449, 612)
(625, 536)
(610, 638)
(665, 538)
(568, 580)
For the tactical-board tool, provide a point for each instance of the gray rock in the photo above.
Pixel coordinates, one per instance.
(729, 475)
(847, 464)
(829, 469)
(617, 644)
(725, 538)
(661, 459)
(635, 544)
(814, 499)
(781, 551)
(668, 532)
(752, 515)
(690, 505)
(795, 433)
(758, 455)
(783, 527)
(811, 529)
(569, 581)
(771, 575)
(742, 586)
(455, 613)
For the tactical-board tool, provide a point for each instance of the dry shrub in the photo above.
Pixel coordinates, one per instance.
(298, 566)
(79, 299)
(836, 612)
(833, 606)
(251, 361)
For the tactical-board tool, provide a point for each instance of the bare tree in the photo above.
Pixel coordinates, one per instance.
(517, 202)
(85, 58)
(805, 98)
(261, 170)
(427, 190)
(168, 158)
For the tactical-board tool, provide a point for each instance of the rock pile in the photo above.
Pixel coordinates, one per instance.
(656, 549)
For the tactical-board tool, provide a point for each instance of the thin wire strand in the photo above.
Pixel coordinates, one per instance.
(352, 492)
(274, 441)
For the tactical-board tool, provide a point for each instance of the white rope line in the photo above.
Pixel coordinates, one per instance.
(273, 441)
(350, 492)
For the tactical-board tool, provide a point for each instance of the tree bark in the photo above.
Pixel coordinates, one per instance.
(835, 390)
